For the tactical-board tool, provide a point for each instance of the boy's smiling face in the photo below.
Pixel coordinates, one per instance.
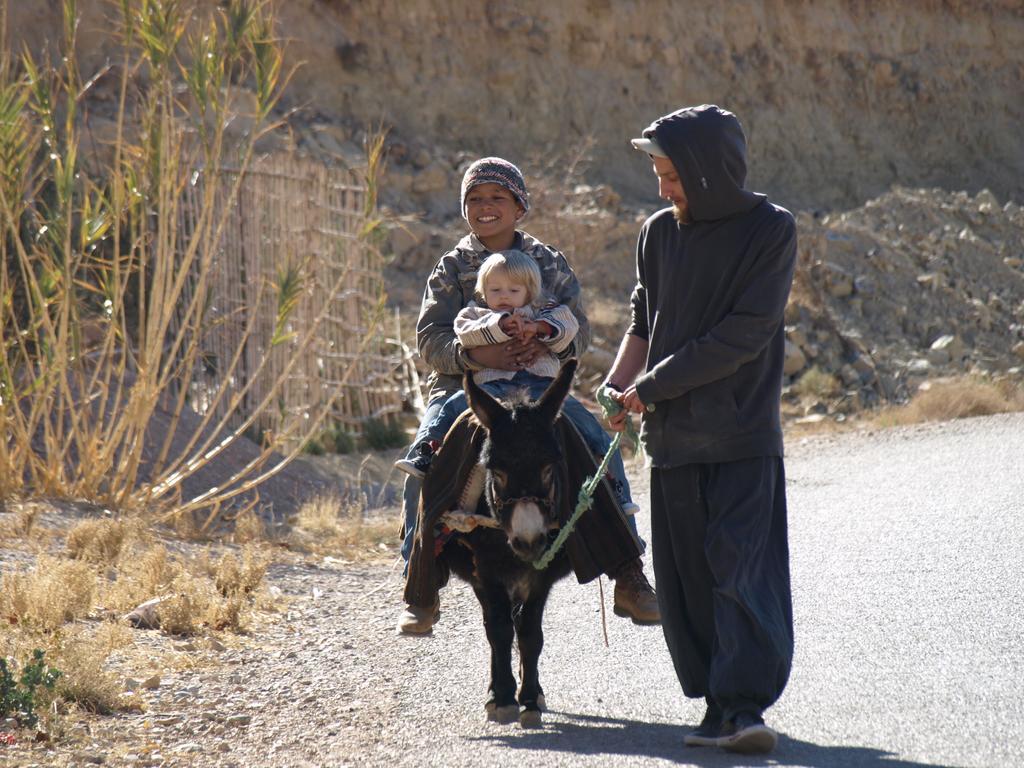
(493, 212)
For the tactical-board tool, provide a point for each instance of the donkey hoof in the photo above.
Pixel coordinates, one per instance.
(504, 715)
(542, 705)
(530, 718)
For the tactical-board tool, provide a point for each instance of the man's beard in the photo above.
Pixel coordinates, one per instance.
(681, 214)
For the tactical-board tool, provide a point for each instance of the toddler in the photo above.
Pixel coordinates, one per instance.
(509, 304)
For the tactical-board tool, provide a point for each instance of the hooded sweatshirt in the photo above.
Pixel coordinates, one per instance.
(709, 301)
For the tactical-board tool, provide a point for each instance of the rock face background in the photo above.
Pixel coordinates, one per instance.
(841, 98)
(892, 127)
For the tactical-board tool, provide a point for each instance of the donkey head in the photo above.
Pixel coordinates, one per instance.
(522, 457)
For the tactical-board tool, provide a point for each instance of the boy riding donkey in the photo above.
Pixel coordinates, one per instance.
(494, 200)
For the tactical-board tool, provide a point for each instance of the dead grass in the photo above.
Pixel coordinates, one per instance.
(220, 597)
(816, 383)
(101, 541)
(327, 526)
(81, 656)
(948, 399)
(249, 527)
(233, 577)
(44, 598)
(145, 575)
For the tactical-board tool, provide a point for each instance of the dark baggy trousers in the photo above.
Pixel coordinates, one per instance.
(721, 559)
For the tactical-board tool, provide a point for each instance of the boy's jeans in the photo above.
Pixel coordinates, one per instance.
(589, 427)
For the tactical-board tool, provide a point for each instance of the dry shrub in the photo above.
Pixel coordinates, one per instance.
(183, 612)
(233, 578)
(139, 578)
(55, 592)
(947, 399)
(249, 527)
(98, 541)
(320, 517)
(328, 525)
(25, 519)
(216, 600)
(85, 681)
(816, 383)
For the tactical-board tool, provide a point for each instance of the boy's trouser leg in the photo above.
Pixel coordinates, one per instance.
(411, 489)
(681, 572)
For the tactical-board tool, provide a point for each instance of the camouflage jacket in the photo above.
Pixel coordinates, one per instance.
(450, 288)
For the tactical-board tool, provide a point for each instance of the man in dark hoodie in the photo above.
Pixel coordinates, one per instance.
(702, 361)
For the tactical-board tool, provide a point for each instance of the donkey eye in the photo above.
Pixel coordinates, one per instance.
(547, 473)
(500, 477)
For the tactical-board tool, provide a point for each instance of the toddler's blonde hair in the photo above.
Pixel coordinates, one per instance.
(519, 267)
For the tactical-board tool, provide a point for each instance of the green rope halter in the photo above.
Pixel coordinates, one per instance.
(586, 497)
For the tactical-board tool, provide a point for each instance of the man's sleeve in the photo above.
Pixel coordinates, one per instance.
(742, 334)
(435, 329)
(638, 299)
(566, 290)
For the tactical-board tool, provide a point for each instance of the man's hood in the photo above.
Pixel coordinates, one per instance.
(709, 151)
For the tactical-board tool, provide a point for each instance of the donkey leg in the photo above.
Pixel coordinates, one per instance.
(530, 632)
(501, 702)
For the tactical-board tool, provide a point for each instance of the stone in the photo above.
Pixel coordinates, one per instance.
(151, 683)
(797, 335)
(145, 615)
(931, 280)
(812, 418)
(838, 282)
(432, 180)
(795, 360)
(864, 285)
(849, 376)
(865, 369)
(948, 346)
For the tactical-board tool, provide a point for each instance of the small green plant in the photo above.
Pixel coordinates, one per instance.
(381, 435)
(18, 697)
(313, 448)
(336, 440)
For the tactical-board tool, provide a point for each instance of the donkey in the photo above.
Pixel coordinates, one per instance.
(522, 456)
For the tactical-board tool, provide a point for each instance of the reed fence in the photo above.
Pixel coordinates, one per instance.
(295, 212)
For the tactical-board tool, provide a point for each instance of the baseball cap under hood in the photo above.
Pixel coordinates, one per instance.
(709, 151)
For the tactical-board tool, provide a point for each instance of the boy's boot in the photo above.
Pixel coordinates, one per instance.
(634, 596)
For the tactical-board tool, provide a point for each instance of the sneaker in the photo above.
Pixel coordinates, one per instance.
(420, 463)
(706, 734)
(747, 734)
(634, 596)
(415, 620)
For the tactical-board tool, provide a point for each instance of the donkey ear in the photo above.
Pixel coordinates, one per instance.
(551, 400)
(487, 409)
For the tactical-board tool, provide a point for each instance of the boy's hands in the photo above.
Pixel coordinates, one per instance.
(513, 355)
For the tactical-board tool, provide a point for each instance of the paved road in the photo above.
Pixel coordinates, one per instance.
(908, 575)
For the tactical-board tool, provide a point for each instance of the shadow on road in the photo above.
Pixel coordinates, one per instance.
(592, 735)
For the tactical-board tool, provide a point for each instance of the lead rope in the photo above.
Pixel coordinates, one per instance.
(586, 498)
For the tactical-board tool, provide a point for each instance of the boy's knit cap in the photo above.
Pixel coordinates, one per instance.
(494, 170)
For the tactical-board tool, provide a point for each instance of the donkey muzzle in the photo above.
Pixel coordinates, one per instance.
(528, 530)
